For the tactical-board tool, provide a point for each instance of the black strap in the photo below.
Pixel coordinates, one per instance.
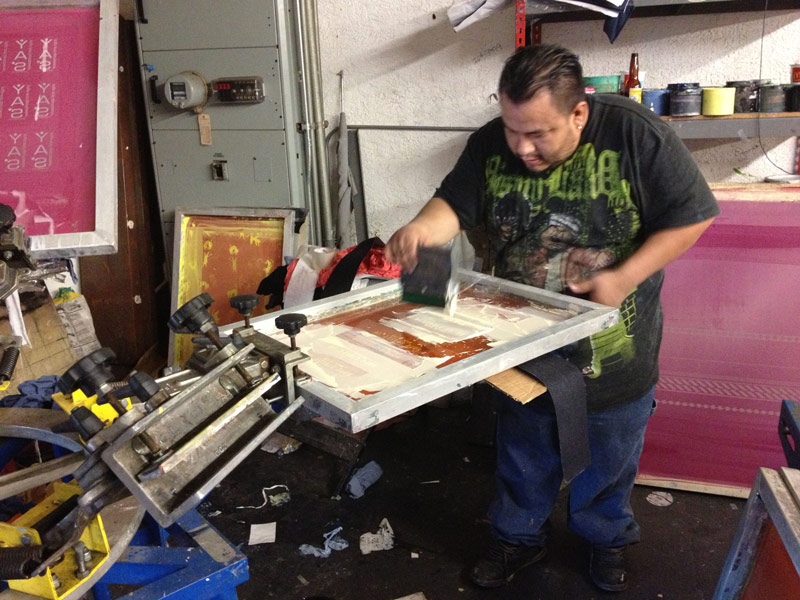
(343, 274)
(272, 285)
(567, 388)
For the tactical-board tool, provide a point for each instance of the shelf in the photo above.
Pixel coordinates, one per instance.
(742, 125)
(551, 11)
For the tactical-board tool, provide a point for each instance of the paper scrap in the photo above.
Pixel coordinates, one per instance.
(417, 596)
(262, 533)
(383, 539)
(14, 309)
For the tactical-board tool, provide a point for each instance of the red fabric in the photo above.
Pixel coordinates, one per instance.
(375, 263)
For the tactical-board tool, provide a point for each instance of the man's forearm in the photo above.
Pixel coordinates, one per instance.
(440, 221)
(660, 249)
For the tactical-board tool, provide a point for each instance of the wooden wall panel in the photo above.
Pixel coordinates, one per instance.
(127, 291)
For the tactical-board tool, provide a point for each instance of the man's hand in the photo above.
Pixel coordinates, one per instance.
(436, 224)
(403, 245)
(607, 287)
(612, 286)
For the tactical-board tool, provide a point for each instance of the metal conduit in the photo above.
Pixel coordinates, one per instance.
(309, 42)
(311, 180)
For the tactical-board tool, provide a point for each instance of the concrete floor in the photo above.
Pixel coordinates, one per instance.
(440, 527)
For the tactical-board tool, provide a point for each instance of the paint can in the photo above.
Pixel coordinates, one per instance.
(657, 101)
(793, 98)
(771, 99)
(746, 99)
(685, 99)
(718, 101)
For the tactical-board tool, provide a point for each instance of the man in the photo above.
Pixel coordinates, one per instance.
(589, 195)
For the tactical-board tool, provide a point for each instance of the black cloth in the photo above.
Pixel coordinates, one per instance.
(630, 177)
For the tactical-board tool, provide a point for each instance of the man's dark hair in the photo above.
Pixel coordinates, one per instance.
(543, 66)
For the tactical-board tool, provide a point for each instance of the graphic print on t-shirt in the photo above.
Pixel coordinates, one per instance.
(563, 226)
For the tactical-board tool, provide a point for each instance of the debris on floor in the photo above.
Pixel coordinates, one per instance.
(275, 499)
(363, 478)
(262, 533)
(383, 539)
(280, 444)
(659, 498)
(417, 596)
(333, 541)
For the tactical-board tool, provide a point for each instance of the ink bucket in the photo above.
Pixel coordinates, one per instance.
(793, 98)
(746, 95)
(685, 99)
(657, 101)
(771, 99)
(718, 101)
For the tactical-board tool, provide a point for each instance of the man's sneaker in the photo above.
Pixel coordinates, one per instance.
(607, 568)
(501, 563)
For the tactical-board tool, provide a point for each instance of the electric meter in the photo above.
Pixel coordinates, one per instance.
(186, 90)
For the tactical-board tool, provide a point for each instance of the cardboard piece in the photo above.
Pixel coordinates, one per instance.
(50, 352)
(517, 384)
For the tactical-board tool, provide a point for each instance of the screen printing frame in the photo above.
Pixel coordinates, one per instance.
(181, 295)
(104, 238)
(357, 415)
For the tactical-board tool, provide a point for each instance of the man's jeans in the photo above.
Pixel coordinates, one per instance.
(529, 474)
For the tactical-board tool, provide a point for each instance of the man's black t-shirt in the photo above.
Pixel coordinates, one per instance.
(630, 176)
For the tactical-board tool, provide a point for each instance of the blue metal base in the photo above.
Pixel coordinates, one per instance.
(178, 571)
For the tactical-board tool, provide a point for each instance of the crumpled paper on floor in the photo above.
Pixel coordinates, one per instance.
(333, 541)
(383, 539)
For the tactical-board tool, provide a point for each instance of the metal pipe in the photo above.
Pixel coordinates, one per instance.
(411, 128)
(311, 180)
(318, 122)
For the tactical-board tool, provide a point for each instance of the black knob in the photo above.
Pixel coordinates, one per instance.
(143, 386)
(245, 303)
(85, 421)
(89, 373)
(191, 317)
(291, 323)
(7, 217)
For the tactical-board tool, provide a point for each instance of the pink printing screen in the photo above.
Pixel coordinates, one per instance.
(48, 106)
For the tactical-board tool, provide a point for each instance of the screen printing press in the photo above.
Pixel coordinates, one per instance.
(161, 445)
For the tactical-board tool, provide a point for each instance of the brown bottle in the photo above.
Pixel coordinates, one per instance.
(633, 75)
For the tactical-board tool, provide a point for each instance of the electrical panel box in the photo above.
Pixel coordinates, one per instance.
(207, 24)
(220, 80)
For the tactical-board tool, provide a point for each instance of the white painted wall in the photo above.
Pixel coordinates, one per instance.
(404, 65)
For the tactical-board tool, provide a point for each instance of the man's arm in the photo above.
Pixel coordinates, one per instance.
(612, 286)
(436, 224)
